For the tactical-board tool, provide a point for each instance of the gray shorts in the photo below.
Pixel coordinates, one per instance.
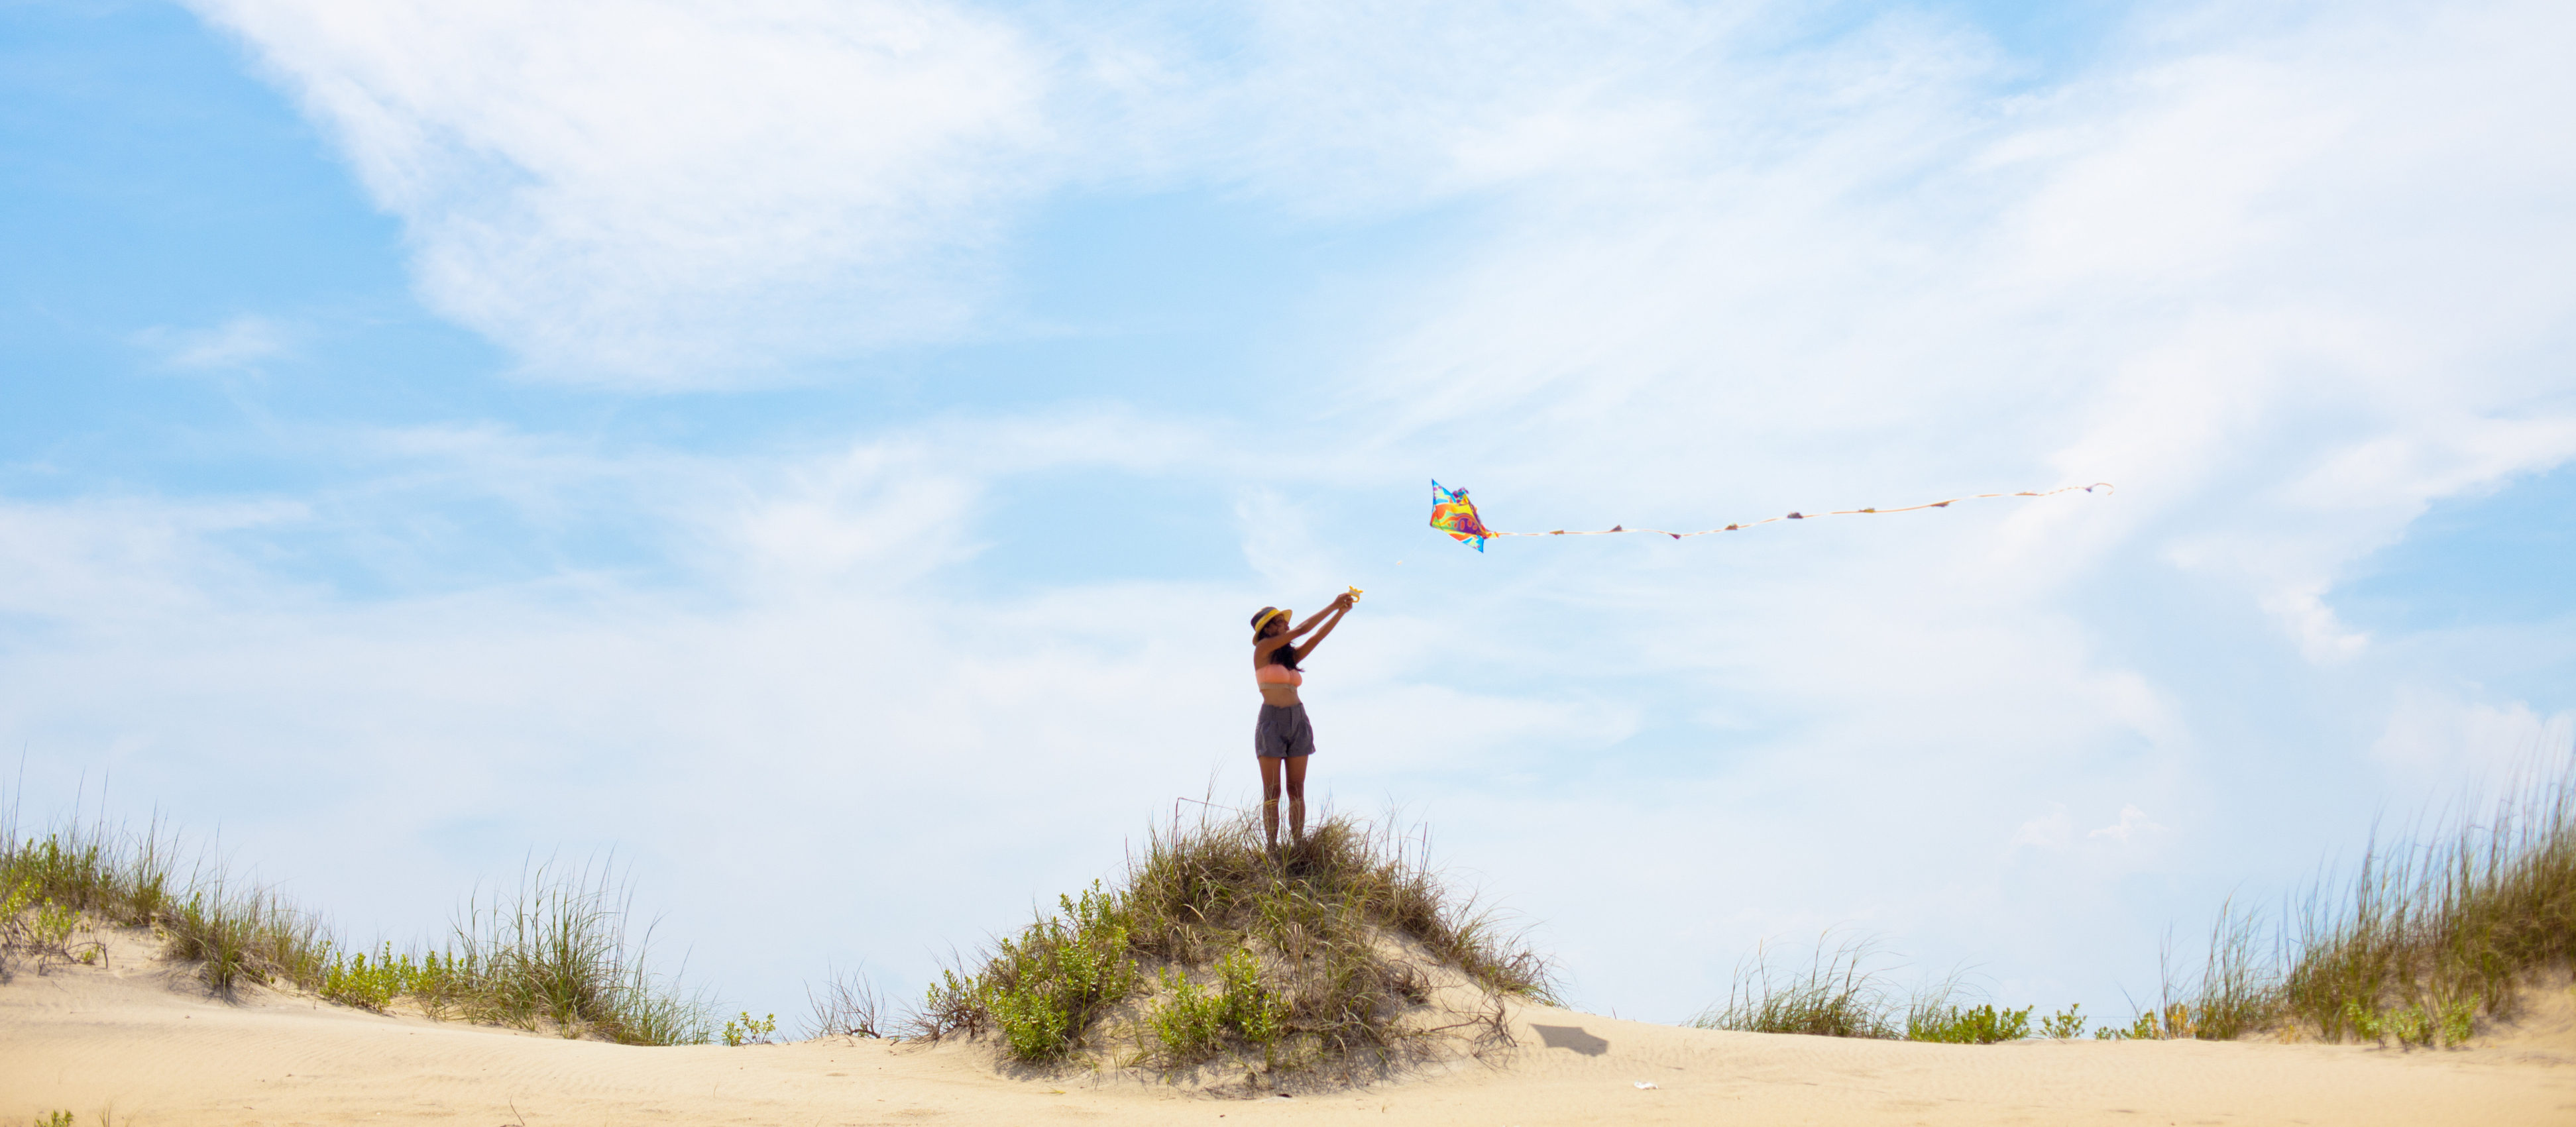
(1283, 733)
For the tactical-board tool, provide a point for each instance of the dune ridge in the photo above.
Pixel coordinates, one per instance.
(140, 1040)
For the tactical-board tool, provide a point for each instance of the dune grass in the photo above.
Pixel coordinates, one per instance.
(1838, 995)
(1211, 947)
(2426, 940)
(1841, 993)
(552, 954)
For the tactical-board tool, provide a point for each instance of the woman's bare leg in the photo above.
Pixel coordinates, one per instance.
(1296, 802)
(1270, 796)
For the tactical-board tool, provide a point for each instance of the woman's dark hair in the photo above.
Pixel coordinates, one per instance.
(1285, 654)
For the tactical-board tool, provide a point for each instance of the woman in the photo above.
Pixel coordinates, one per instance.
(1283, 737)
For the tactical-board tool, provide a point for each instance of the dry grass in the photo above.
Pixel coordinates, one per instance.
(2427, 939)
(1212, 947)
(1838, 995)
(1841, 994)
(553, 954)
(848, 1006)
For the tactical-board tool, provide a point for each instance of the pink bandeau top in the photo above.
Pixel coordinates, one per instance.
(1278, 675)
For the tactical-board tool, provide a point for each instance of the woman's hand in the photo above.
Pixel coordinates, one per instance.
(1344, 601)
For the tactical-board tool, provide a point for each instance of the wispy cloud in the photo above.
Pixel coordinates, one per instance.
(238, 344)
(672, 194)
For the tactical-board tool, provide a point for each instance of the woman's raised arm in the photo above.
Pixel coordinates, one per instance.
(1341, 606)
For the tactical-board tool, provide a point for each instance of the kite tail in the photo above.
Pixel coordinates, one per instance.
(1482, 532)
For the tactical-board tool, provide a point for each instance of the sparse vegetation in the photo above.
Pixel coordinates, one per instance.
(1967, 1025)
(553, 954)
(748, 1030)
(2065, 1025)
(1834, 997)
(849, 1006)
(1212, 946)
(2427, 939)
(1841, 995)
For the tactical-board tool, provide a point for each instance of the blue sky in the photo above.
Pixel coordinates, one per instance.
(825, 454)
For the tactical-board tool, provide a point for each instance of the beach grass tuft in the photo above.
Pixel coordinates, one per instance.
(2425, 940)
(1843, 993)
(554, 953)
(1838, 995)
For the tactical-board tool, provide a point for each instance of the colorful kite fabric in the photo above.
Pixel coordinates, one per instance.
(1452, 513)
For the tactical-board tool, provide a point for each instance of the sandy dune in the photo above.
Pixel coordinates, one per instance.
(140, 1042)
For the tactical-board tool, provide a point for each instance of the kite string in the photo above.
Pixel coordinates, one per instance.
(2102, 485)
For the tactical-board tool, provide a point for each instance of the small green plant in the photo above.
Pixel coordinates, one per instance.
(1190, 1019)
(749, 1030)
(2458, 1022)
(2064, 1025)
(1975, 1025)
(57, 1119)
(354, 980)
(1251, 1009)
(2143, 1029)
(53, 926)
(1193, 1021)
(2414, 1026)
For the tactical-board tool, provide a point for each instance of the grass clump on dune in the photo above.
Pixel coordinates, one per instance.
(1840, 995)
(1834, 997)
(1210, 947)
(2428, 939)
(553, 955)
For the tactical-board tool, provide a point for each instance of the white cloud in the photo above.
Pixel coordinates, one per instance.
(675, 194)
(2133, 826)
(2438, 743)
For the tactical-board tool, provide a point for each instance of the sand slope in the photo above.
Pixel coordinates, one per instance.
(140, 1040)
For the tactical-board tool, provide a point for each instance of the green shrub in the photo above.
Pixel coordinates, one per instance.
(1193, 1022)
(1190, 1020)
(1974, 1025)
(1043, 988)
(353, 981)
(749, 1030)
(2064, 1025)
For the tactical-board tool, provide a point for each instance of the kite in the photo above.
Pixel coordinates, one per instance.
(1453, 513)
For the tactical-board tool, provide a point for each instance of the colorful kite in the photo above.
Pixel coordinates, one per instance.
(1453, 513)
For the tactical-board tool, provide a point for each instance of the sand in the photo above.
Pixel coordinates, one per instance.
(139, 1042)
